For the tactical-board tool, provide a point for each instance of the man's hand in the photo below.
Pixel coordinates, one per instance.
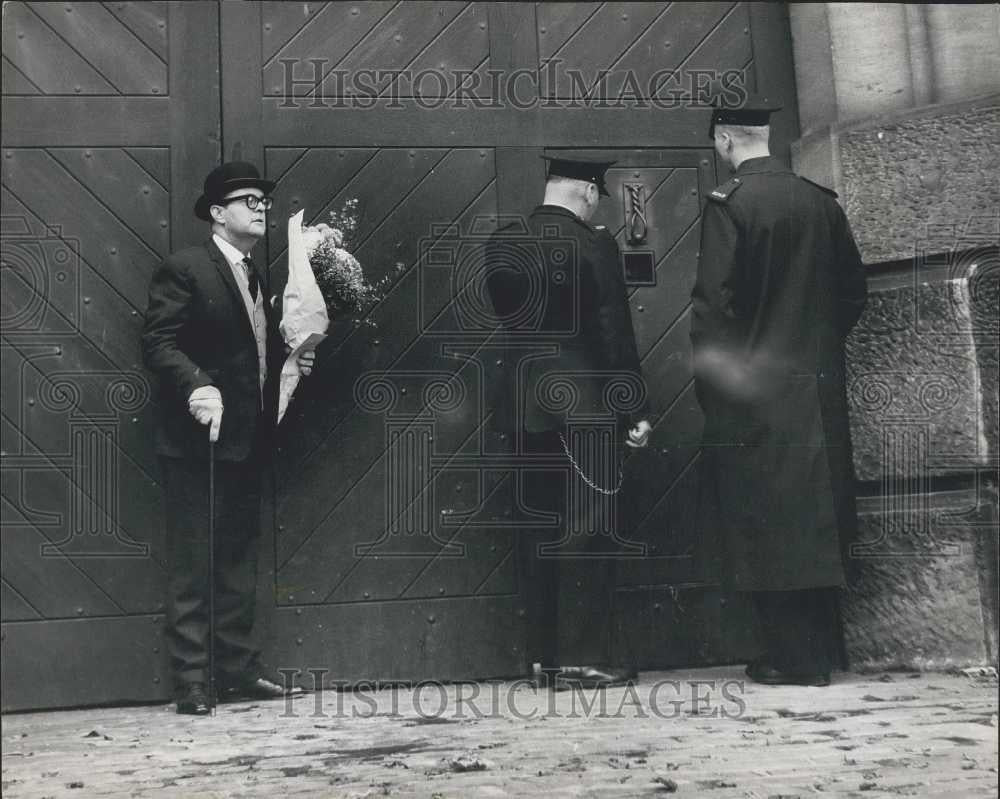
(205, 405)
(638, 436)
(306, 361)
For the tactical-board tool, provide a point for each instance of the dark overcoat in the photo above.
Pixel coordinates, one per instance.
(197, 333)
(780, 284)
(557, 286)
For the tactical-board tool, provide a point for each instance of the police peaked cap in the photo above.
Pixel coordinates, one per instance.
(579, 168)
(755, 111)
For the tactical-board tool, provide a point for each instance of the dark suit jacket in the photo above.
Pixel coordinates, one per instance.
(197, 333)
(557, 282)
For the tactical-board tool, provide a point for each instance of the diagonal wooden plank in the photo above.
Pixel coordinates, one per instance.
(398, 329)
(666, 368)
(123, 188)
(107, 324)
(329, 36)
(367, 572)
(461, 45)
(397, 38)
(558, 23)
(49, 192)
(397, 173)
(316, 175)
(107, 45)
(502, 580)
(15, 606)
(15, 81)
(383, 182)
(668, 300)
(465, 440)
(51, 64)
(438, 571)
(147, 20)
(601, 41)
(156, 162)
(10, 438)
(638, 36)
(332, 399)
(726, 46)
(281, 22)
(278, 160)
(138, 588)
(53, 584)
(669, 529)
(667, 43)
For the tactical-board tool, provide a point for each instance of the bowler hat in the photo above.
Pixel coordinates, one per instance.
(226, 178)
(579, 167)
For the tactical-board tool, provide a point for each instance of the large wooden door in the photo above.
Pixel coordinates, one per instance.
(108, 128)
(389, 546)
(393, 546)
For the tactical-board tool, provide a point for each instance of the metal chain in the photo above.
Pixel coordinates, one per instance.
(587, 480)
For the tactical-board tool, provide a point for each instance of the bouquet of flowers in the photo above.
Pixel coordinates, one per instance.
(325, 281)
(338, 273)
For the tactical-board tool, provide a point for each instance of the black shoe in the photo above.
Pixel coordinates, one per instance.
(252, 686)
(193, 700)
(593, 677)
(760, 671)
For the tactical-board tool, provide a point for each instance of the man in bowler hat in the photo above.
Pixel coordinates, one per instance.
(780, 285)
(211, 337)
(568, 300)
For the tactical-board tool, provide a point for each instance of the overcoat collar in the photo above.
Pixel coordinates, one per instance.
(558, 209)
(768, 163)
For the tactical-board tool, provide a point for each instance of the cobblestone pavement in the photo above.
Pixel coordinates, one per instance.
(690, 733)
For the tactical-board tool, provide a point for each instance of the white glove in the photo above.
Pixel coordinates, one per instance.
(638, 436)
(205, 405)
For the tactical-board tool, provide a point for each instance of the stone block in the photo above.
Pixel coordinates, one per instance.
(914, 385)
(900, 175)
(920, 599)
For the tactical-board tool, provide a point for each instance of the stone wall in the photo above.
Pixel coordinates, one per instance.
(900, 112)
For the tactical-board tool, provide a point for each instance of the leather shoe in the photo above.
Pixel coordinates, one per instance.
(253, 686)
(593, 677)
(193, 700)
(760, 671)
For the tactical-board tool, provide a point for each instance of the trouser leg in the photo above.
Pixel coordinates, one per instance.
(237, 529)
(798, 629)
(236, 569)
(543, 493)
(578, 564)
(186, 497)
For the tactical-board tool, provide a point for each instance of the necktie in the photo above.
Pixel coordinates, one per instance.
(252, 282)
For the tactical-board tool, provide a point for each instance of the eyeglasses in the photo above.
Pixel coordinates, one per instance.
(252, 200)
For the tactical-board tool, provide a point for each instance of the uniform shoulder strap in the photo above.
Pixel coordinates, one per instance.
(831, 192)
(721, 194)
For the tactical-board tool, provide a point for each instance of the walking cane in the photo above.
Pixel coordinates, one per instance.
(211, 573)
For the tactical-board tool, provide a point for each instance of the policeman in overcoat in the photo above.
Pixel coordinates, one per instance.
(780, 285)
(557, 286)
